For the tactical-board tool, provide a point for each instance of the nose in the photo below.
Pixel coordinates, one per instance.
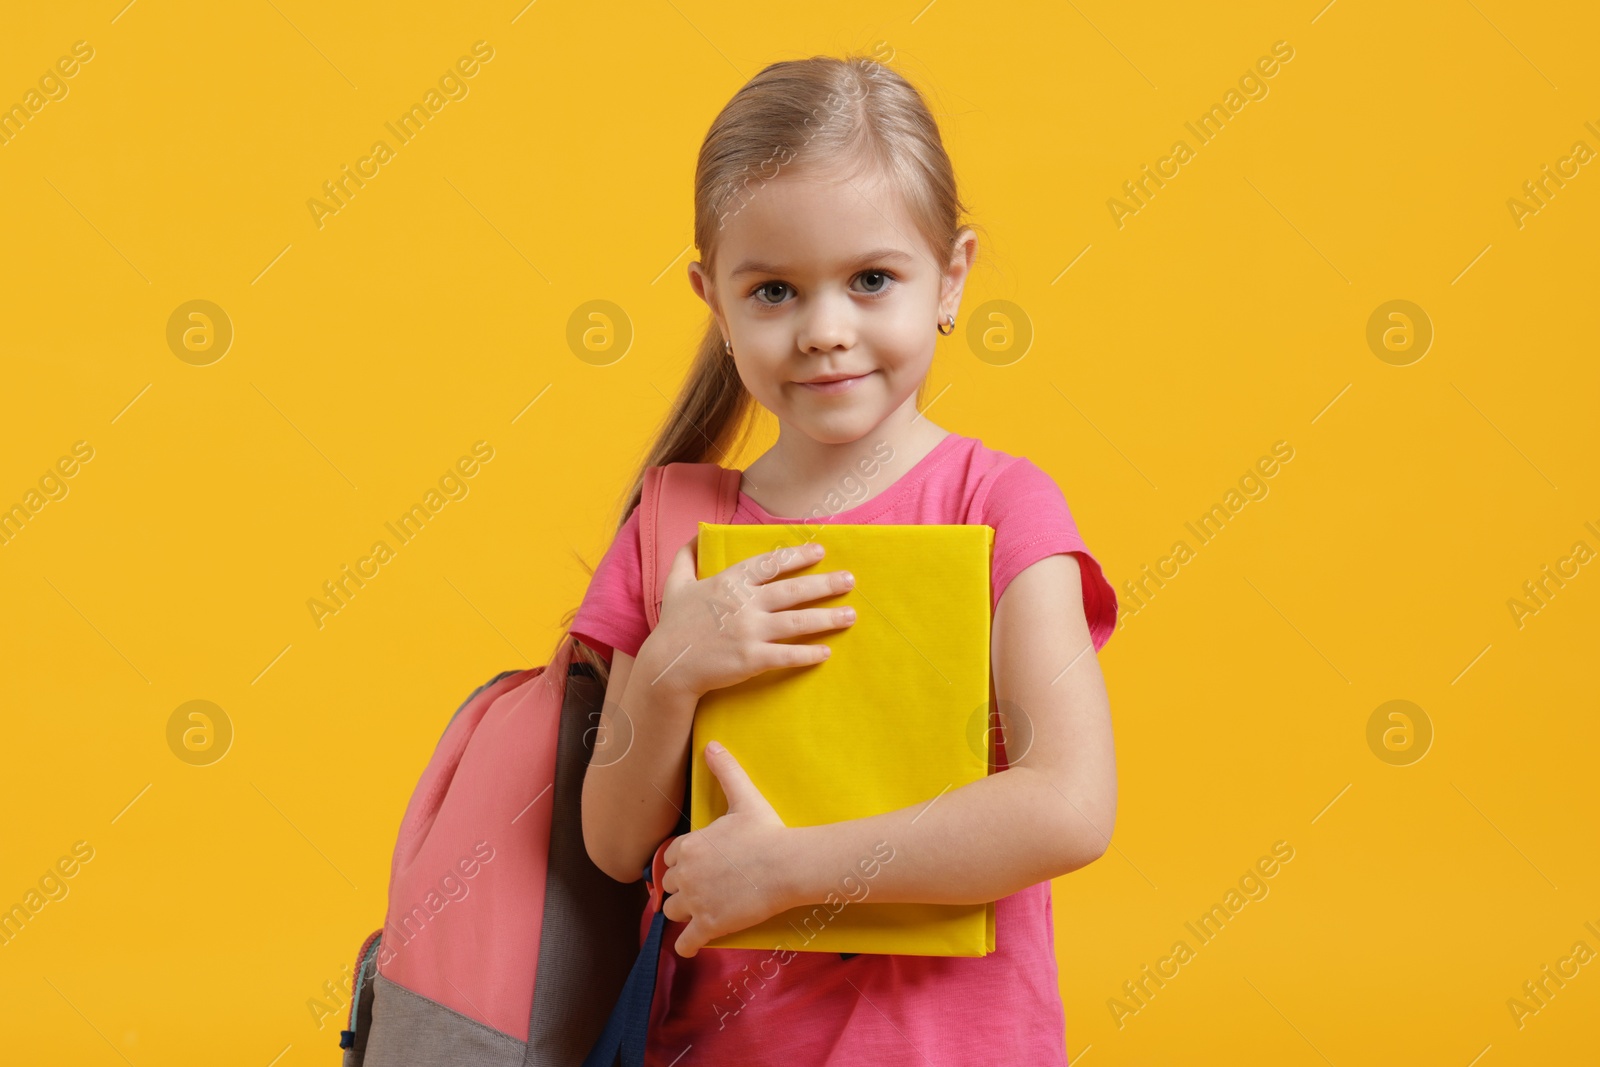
(826, 325)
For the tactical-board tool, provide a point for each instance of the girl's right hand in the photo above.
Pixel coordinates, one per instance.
(716, 632)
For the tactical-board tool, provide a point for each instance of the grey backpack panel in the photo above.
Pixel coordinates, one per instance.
(590, 936)
(412, 1031)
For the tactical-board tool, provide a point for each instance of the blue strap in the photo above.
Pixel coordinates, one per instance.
(629, 1024)
(628, 1027)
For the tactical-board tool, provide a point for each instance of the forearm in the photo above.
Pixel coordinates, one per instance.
(980, 842)
(635, 781)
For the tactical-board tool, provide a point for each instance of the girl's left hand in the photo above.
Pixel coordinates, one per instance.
(732, 874)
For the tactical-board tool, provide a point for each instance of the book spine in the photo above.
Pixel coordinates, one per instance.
(709, 556)
(713, 549)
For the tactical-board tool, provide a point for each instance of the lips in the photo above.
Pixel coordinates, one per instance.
(836, 385)
(831, 378)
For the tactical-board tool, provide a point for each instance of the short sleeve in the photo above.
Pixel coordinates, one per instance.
(612, 613)
(1031, 520)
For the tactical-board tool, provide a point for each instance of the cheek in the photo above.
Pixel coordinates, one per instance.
(901, 352)
(905, 335)
(761, 368)
(763, 342)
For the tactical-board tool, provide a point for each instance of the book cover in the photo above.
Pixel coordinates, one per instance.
(896, 716)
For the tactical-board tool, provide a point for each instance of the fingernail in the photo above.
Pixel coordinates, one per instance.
(849, 614)
(713, 748)
(849, 579)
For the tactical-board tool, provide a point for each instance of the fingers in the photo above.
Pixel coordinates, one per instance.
(774, 654)
(806, 621)
(741, 792)
(693, 935)
(690, 940)
(805, 588)
(765, 567)
(683, 562)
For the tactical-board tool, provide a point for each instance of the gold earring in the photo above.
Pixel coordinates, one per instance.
(951, 319)
(727, 346)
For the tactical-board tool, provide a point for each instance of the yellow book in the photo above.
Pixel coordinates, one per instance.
(897, 715)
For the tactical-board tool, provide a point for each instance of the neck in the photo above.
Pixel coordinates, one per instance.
(799, 467)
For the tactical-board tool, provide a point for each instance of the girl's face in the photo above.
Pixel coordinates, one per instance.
(821, 277)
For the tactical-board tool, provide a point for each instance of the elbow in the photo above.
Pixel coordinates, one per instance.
(1078, 852)
(1086, 826)
(606, 860)
(615, 874)
(1101, 839)
(1092, 850)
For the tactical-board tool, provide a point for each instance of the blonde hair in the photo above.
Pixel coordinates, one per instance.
(851, 113)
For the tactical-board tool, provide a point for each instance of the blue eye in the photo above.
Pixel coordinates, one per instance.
(769, 285)
(888, 279)
(885, 281)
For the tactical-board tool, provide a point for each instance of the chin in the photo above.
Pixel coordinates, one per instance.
(841, 429)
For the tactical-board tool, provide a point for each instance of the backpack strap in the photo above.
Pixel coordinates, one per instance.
(676, 498)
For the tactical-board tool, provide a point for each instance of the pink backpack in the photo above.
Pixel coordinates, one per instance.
(503, 943)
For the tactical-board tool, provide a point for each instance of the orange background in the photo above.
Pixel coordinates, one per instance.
(1167, 355)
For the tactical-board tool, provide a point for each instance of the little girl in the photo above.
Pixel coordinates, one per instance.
(827, 215)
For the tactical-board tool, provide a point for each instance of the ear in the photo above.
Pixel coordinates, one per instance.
(700, 282)
(962, 255)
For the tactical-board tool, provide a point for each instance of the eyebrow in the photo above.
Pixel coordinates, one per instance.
(877, 255)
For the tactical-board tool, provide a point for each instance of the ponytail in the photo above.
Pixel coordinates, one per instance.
(708, 423)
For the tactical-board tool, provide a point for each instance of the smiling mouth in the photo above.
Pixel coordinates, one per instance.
(836, 385)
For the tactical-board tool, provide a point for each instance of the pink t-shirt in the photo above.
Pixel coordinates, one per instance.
(813, 1009)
